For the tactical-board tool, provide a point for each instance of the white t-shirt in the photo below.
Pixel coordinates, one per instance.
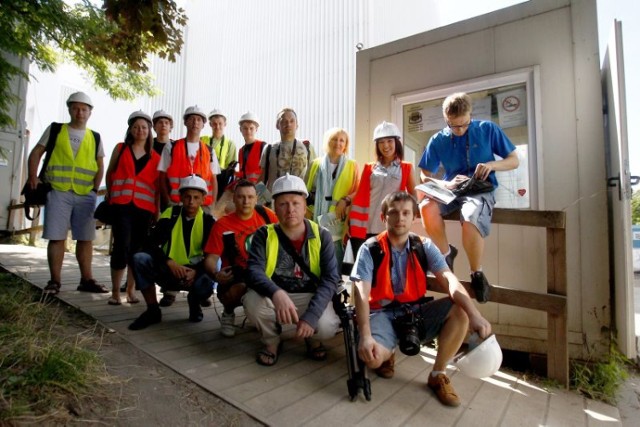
(75, 136)
(192, 150)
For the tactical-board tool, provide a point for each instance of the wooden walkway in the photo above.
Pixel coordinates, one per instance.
(298, 391)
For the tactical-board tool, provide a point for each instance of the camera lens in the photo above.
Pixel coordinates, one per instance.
(410, 341)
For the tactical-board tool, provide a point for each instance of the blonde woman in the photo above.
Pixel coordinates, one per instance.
(332, 183)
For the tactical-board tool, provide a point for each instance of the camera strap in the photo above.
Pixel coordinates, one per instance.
(297, 258)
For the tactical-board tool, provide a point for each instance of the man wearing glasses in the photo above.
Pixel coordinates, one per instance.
(466, 149)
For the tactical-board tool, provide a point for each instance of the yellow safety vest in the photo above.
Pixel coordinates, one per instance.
(177, 251)
(221, 148)
(343, 182)
(65, 172)
(273, 245)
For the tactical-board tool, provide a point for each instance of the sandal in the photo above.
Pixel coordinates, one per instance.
(267, 358)
(132, 300)
(92, 286)
(114, 301)
(317, 353)
(52, 288)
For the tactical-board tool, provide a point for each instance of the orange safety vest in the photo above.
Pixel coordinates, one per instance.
(181, 167)
(381, 287)
(251, 170)
(359, 215)
(127, 186)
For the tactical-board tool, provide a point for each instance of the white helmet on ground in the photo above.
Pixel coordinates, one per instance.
(483, 361)
(194, 110)
(217, 112)
(161, 114)
(138, 115)
(386, 130)
(79, 97)
(249, 117)
(193, 182)
(289, 184)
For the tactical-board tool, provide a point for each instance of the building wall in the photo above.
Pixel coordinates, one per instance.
(561, 38)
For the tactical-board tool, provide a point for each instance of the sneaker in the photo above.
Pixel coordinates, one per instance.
(227, 322)
(453, 253)
(441, 386)
(167, 300)
(387, 369)
(480, 286)
(195, 312)
(92, 286)
(52, 288)
(149, 317)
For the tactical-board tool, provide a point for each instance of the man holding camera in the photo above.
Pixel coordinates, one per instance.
(229, 240)
(390, 284)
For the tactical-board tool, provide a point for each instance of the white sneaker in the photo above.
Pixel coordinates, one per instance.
(227, 322)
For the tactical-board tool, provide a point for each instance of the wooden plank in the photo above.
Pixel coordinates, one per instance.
(565, 409)
(527, 406)
(544, 219)
(558, 354)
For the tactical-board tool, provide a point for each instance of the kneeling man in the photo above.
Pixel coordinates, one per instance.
(396, 281)
(292, 275)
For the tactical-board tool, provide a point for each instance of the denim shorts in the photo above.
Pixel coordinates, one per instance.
(476, 209)
(67, 210)
(434, 314)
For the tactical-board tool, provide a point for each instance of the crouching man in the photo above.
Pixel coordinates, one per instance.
(175, 259)
(390, 277)
(292, 276)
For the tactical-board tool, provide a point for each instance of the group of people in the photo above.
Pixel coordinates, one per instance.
(280, 265)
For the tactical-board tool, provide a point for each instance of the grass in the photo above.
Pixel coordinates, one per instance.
(44, 372)
(601, 380)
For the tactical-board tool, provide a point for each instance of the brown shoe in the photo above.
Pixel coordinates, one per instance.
(441, 386)
(386, 370)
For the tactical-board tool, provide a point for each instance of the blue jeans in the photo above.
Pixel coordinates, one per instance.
(147, 271)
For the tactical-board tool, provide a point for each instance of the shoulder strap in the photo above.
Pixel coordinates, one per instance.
(266, 166)
(418, 248)
(263, 213)
(54, 131)
(288, 247)
(306, 144)
(376, 255)
(175, 213)
(96, 137)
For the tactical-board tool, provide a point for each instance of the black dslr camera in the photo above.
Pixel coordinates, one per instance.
(410, 330)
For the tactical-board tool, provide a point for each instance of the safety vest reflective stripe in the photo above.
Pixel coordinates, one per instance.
(68, 172)
(273, 244)
(180, 167)
(177, 250)
(127, 186)
(359, 215)
(382, 288)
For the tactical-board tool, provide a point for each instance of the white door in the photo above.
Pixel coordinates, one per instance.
(619, 196)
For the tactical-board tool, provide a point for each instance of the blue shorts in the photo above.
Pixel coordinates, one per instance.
(434, 314)
(66, 209)
(476, 209)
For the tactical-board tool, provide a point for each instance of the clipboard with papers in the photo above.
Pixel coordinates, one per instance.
(437, 192)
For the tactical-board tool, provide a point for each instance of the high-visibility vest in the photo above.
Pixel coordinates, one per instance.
(175, 248)
(343, 183)
(251, 170)
(66, 172)
(221, 148)
(359, 215)
(127, 186)
(273, 244)
(180, 167)
(382, 288)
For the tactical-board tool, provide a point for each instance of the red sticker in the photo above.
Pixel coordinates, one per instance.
(522, 192)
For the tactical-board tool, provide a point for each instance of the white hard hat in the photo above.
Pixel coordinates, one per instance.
(79, 97)
(194, 110)
(386, 130)
(138, 115)
(483, 361)
(217, 112)
(161, 114)
(289, 184)
(193, 182)
(249, 117)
